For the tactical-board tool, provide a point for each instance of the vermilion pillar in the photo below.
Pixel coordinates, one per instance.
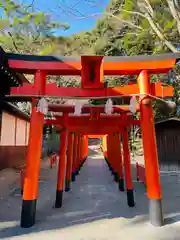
(81, 152)
(86, 146)
(104, 149)
(78, 154)
(108, 159)
(61, 169)
(84, 149)
(111, 155)
(150, 151)
(69, 161)
(30, 191)
(119, 162)
(127, 168)
(73, 174)
(104, 145)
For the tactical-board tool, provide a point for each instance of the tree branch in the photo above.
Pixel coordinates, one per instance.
(31, 4)
(160, 34)
(177, 4)
(154, 27)
(148, 13)
(14, 43)
(174, 13)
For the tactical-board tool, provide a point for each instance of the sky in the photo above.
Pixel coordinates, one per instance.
(80, 15)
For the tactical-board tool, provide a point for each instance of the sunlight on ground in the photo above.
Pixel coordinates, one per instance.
(9, 224)
(104, 229)
(98, 158)
(94, 209)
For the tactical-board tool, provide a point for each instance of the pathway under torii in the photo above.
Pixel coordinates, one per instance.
(93, 209)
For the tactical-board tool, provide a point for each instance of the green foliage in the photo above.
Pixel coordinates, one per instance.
(65, 81)
(146, 39)
(128, 6)
(24, 30)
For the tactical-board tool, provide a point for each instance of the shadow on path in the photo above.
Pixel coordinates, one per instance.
(93, 197)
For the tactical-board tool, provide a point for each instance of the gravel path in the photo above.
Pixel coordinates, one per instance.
(93, 209)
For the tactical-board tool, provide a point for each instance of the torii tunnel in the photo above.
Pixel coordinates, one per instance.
(93, 121)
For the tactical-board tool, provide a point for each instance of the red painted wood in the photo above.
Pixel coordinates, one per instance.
(110, 67)
(53, 159)
(53, 90)
(110, 121)
(88, 109)
(102, 126)
(92, 72)
(95, 136)
(52, 68)
(92, 131)
(140, 173)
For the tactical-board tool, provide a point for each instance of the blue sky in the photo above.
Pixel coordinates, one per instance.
(80, 15)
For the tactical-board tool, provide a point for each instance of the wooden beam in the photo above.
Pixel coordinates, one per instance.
(87, 109)
(53, 91)
(81, 121)
(93, 130)
(112, 65)
(95, 136)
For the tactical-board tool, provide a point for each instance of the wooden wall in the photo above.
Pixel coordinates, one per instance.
(168, 145)
(13, 140)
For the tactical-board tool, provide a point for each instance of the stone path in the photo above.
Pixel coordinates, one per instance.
(94, 209)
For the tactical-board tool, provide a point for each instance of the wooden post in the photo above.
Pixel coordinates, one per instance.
(127, 169)
(111, 155)
(69, 161)
(108, 160)
(61, 169)
(119, 163)
(78, 154)
(104, 145)
(104, 149)
(81, 152)
(84, 149)
(150, 151)
(30, 191)
(73, 174)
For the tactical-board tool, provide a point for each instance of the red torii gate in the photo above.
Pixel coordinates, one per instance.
(92, 69)
(111, 125)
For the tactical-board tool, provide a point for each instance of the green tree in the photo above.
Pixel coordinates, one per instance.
(156, 25)
(25, 30)
(137, 26)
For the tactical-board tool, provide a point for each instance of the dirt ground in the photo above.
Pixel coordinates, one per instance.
(93, 209)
